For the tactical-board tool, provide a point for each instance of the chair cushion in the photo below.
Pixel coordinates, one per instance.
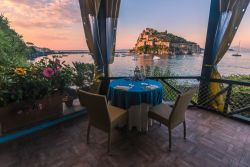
(160, 113)
(116, 114)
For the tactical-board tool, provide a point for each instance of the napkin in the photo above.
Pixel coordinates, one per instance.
(151, 87)
(122, 87)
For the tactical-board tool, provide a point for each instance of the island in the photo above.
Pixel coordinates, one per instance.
(151, 41)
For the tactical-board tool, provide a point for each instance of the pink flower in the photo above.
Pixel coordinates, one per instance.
(48, 72)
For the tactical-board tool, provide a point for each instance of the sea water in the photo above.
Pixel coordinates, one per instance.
(182, 65)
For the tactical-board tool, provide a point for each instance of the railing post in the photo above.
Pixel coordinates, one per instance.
(103, 89)
(228, 96)
(203, 91)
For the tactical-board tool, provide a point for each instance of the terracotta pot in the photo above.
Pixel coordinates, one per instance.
(20, 115)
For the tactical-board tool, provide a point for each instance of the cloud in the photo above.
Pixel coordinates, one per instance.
(47, 23)
(42, 13)
(32, 3)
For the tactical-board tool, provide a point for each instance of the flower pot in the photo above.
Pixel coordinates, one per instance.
(25, 114)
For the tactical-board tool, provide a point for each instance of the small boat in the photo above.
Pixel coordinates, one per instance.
(134, 58)
(195, 54)
(156, 58)
(120, 55)
(123, 55)
(237, 54)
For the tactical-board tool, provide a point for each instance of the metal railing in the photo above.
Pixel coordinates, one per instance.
(234, 96)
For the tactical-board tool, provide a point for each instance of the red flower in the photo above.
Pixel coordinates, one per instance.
(48, 72)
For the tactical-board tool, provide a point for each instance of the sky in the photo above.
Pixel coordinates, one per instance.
(57, 24)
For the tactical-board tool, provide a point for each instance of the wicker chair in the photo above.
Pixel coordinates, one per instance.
(172, 117)
(101, 115)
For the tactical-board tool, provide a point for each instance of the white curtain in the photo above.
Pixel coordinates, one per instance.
(100, 37)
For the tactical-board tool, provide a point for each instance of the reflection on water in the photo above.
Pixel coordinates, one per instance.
(180, 65)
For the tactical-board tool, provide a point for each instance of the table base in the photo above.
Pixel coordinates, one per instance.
(138, 117)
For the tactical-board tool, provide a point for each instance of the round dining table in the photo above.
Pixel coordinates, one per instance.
(136, 97)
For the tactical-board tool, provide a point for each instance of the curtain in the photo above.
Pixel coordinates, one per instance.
(99, 19)
(89, 13)
(112, 12)
(231, 13)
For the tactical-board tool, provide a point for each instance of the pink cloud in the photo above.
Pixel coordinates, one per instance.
(43, 13)
(44, 21)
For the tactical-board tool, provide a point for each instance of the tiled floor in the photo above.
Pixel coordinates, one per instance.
(212, 140)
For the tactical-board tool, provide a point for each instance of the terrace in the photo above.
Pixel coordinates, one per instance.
(217, 118)
(212, 140)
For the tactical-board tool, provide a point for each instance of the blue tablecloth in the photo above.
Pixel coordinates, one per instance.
(136, 94)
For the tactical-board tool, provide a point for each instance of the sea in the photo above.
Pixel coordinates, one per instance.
(181, 65)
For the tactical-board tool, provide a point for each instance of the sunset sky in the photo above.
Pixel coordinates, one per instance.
(57, 23)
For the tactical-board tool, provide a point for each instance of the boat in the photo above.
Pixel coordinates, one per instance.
(156, 58)
(196, 54)
(120, 55)
(238, 52)
(134, 58)
(123, 55)
(145, 54)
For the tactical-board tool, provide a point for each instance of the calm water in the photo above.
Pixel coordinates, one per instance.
(180, 65)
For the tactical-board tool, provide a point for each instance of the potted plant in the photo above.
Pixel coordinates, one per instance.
(83, 75)
(33, 93)
(82, 78)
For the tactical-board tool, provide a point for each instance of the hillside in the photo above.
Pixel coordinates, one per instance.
(13, 49)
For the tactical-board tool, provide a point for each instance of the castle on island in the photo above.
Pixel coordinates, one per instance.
(150, 41)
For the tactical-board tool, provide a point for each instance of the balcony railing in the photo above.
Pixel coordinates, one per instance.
(233, 95)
